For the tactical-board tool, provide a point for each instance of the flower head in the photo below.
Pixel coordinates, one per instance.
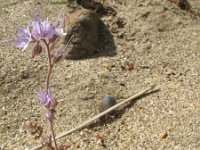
(38, 31)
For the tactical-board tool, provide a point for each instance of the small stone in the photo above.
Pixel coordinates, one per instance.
(89, 96)
(122, 84)
(108, 102)
(145, 66)
(106, 66)
(120, 35)
(77, 145)
(130, 66)
(171, 72)
(86, 130)
(2, 128)
(64, 146)
(108, 18)
(24, 74)
(99, 140)
(163, 135)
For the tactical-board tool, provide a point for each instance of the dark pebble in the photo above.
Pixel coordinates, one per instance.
(108, 102)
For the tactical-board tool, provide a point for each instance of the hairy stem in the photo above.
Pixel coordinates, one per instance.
(53, 134)
(50, 66)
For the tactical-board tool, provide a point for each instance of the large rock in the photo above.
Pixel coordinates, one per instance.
(83, 25)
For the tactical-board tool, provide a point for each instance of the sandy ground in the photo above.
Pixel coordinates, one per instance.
(161, 41)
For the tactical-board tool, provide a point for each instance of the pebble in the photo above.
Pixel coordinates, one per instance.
(171, 72)
(108, 102)
(163, 135)
(99, 140)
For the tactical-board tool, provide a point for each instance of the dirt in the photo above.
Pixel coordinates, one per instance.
(149, 42)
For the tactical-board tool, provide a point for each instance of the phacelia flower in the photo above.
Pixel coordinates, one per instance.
(47, 99)
(39, 31)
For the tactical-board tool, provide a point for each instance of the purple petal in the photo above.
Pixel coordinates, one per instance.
(42, 97)
(36, 30)
(47, 100)
(42, 30)
(60, 32)
(23, 39)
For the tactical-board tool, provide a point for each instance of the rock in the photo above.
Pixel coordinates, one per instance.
(182, 4)
(83, 25)
(108, 102)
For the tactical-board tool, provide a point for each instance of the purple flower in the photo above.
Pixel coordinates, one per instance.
(38, 31)
(47, 99)
(23, 39)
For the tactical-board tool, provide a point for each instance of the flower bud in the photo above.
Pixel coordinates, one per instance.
(58, 56)
(36, 50)
(53, 103)
(47, 99)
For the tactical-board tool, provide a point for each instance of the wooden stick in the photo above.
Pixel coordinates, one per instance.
(101, 114)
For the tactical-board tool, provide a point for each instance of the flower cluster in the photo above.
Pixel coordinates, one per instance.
(39, 31)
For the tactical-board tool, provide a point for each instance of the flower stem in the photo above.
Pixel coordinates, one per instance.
(53, 134)
(50, 66)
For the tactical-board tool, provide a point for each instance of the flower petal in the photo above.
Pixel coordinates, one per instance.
(36, 29)
(42, 97)
(47, 99)
(23, 39)
(60, 32)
